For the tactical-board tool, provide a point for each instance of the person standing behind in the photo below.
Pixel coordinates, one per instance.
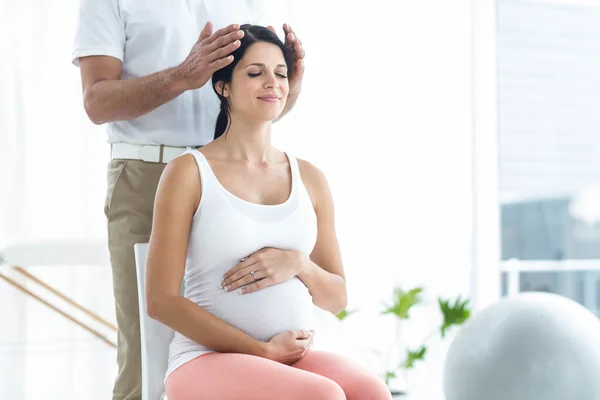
(144, 73)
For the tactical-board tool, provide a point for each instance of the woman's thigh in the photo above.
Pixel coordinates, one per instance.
(358, 383)
(230, 376)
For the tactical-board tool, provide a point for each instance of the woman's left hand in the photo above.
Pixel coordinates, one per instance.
(266, 267)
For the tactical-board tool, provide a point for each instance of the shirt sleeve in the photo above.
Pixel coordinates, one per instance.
(100, 30)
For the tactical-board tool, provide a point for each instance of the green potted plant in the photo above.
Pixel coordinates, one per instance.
(454, 312)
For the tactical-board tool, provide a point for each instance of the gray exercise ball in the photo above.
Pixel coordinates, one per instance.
(534, 346)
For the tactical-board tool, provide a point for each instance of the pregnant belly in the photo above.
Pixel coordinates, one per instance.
(266, 312)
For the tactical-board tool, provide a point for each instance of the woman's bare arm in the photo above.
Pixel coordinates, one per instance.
(323, 274)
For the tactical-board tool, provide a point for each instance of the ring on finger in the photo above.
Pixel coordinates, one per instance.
(254, 276)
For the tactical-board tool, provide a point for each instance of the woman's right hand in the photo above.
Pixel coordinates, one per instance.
(289, 346)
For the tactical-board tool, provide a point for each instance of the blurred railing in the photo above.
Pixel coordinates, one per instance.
(576, 279)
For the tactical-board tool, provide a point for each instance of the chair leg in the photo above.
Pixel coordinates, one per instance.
(64, 314)
(87, 311)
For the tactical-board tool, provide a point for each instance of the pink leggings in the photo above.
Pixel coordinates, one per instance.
(317, 376)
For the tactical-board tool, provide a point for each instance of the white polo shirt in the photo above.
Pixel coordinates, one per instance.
(152, 35)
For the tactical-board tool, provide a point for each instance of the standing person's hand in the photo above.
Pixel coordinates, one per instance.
(295, 45)
(289, 346)
(292, 41)
(209, 54)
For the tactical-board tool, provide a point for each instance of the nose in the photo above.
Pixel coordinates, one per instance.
(271, 81)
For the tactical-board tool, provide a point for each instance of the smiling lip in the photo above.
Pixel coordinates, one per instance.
(269, 99)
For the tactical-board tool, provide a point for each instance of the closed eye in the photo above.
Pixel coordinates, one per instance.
(254, 75)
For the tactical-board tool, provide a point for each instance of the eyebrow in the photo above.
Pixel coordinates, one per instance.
(263, 65)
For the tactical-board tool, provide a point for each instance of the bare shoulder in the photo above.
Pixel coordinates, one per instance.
(314, 180)
(182, 169)
(310, 171)
(181, 179)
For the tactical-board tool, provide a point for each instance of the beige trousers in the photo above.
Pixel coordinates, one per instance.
(128, 207)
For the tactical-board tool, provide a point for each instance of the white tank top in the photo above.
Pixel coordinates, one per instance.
(225, 229)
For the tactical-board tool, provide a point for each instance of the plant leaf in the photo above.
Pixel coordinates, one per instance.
(454, 314)
(403, 301)
(389, 375)
(345, 314)
(412, 356)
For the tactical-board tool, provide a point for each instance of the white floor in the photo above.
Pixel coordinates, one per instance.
(43, 356)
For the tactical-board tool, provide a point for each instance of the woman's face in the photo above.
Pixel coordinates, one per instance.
(259, 86)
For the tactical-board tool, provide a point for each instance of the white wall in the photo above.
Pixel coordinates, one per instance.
(549, 87)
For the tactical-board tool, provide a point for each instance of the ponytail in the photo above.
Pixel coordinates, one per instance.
(222, 119)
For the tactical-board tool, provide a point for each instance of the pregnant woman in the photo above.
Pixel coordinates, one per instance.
(249, 230)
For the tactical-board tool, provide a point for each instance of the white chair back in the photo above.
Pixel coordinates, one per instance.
(155, 336)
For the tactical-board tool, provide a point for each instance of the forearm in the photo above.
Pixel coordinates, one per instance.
(119, 100)
(197, 324)
(327, 290)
